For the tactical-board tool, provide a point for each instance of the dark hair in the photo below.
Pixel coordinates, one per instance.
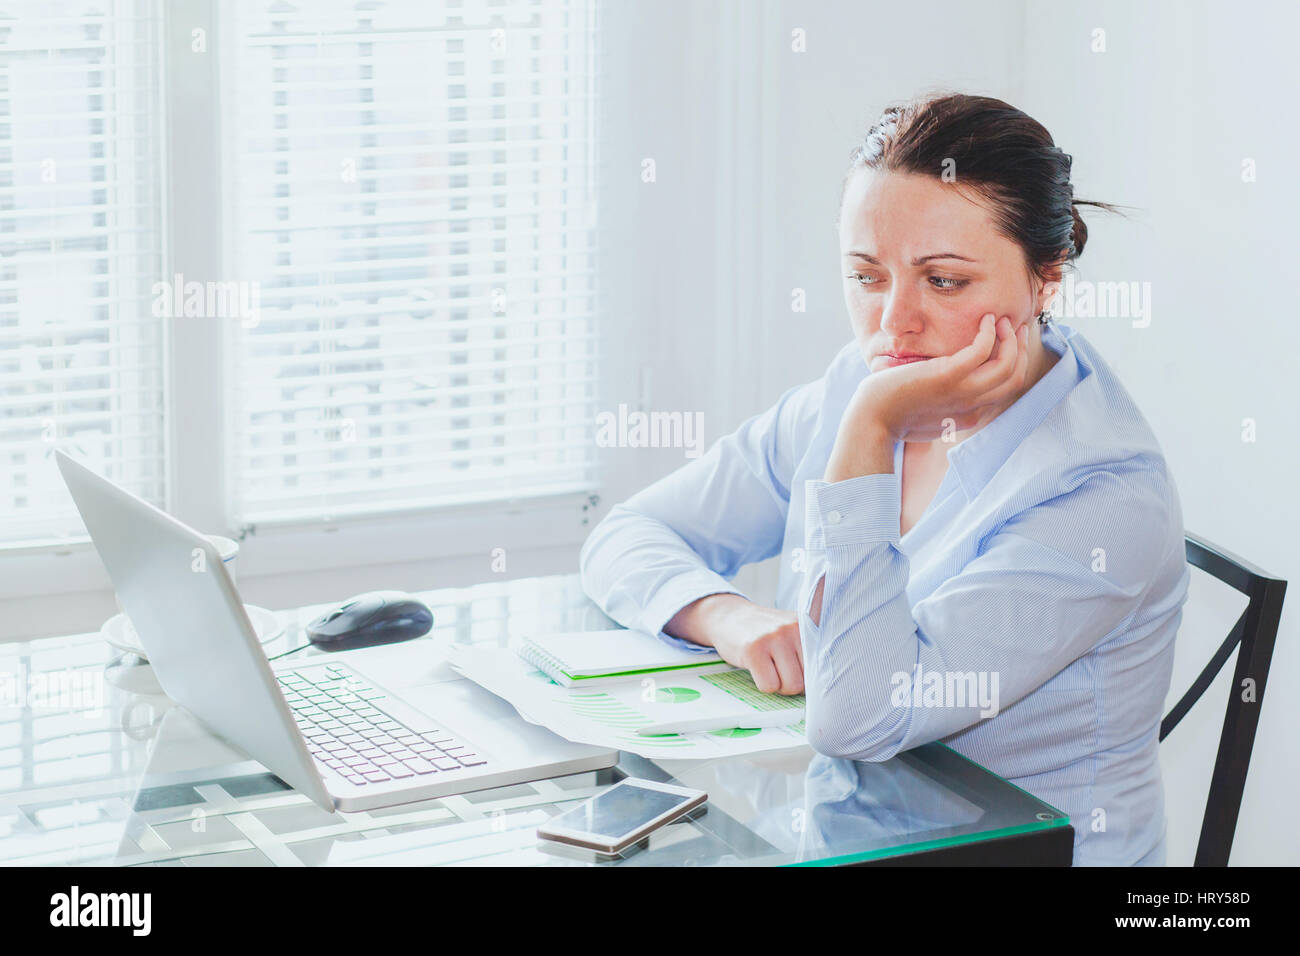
(1005, 156)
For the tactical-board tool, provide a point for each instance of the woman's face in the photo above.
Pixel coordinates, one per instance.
(922, 264)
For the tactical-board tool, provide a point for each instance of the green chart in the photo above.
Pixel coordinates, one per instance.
(607, 710)
(676, 695)
(740, 685)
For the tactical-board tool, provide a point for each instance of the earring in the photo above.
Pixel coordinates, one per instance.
(1044, 317)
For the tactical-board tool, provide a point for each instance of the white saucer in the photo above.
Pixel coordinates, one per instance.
(119, 633)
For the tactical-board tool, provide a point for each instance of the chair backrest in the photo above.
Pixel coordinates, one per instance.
(1252, 637)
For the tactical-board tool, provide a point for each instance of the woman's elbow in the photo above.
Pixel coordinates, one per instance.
(585, 553)
(589, 554)
(840, 726)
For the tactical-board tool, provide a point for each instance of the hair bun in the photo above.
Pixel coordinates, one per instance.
(1005, 156)
(1079, 233)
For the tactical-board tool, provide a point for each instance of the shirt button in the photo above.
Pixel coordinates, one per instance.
(833, 517)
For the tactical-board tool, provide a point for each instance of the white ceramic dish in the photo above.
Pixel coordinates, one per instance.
(119, 633)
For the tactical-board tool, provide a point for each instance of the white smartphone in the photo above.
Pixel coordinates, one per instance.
(615, 819)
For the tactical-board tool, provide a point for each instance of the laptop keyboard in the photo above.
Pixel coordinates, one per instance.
(347, 729)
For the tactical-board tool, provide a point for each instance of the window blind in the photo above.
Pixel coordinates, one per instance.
(412, 211)
(81, 350)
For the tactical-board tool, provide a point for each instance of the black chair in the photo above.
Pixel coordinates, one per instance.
(1256, 633)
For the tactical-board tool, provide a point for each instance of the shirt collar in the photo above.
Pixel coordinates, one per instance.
(977, 459)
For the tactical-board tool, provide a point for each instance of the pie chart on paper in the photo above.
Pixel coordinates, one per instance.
(676, 695)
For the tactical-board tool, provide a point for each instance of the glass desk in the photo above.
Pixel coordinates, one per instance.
(97, 767)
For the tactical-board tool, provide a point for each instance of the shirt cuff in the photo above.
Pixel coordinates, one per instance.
(676, 594)
(860, 510)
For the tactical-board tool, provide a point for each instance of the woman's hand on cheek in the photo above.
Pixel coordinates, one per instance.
(917, 402)
(923, 401)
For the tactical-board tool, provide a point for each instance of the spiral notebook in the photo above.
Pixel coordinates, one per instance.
(585, 656)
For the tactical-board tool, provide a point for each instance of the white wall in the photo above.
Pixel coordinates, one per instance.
(1163, 120)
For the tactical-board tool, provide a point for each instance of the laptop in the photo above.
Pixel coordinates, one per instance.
(351, 730)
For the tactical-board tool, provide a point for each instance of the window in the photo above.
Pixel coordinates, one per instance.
(81, 351)
(410, 203)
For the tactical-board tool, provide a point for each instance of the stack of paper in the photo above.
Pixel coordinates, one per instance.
(591, 657)
(609, 715)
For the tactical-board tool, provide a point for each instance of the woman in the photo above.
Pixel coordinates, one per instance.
(982, 543)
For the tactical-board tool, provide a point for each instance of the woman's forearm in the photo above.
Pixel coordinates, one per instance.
(699, 621)
(639, 570)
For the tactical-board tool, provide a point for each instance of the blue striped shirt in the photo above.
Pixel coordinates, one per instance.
(1027, 620)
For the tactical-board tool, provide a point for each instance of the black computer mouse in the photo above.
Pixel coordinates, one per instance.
(378, 617)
